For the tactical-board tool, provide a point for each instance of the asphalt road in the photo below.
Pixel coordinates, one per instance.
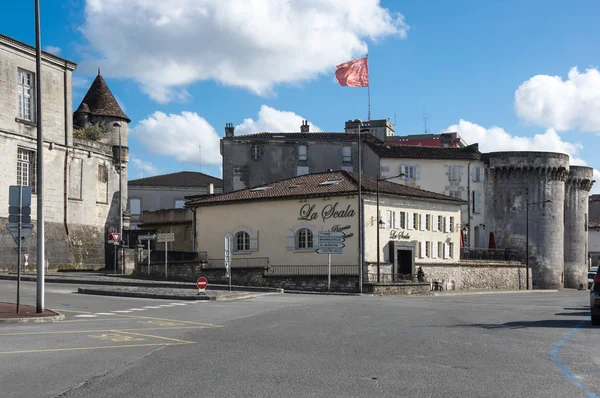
(500, 345)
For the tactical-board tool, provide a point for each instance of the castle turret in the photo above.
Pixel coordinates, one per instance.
(577, 188)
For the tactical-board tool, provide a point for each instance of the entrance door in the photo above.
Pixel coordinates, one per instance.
(405, 262)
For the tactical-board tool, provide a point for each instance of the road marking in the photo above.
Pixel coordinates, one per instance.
(168, 320)
(90, 348)
(180, 303)
(153, 307)
(165, 305)
(123, 311)
(137, 309)
(160, 337)
(102, 313)
(116, 337)
(176, 327)
(85, 316)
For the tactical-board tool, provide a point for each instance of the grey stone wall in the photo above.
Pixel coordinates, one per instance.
(577, 189)
(512, 179)
(397, 289)
(479, 275)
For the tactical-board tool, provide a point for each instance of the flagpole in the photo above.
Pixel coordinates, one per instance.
(368, 88)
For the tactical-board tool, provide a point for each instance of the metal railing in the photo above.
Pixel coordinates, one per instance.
(158, 256)
(491, 254)
(255, 262)
(312, 270)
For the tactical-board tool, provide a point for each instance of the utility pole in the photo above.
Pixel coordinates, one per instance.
(360, 210)
(41, 260)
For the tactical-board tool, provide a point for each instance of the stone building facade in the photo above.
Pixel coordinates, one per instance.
(537, 197)
(81, 175)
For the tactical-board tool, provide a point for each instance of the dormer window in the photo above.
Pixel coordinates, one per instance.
(261, 188)
(330, 182)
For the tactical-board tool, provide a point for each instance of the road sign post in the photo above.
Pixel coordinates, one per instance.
(19, 225)
(148, 238)
(228, 270)
(330, 242)
(166, 238)
(114, 237)
(202, 283)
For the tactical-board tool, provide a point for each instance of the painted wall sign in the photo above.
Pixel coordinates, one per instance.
(399, 234)
(339, 228)
(308, 212)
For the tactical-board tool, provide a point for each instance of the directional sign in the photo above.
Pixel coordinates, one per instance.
(331, 234)
(15, 250)
(14, 231)
(147, 237)
(166, 237)
(19, 196)
(329, 250)
(331, 240)
(331, 244)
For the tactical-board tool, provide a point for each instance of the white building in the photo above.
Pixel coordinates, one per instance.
(456, 172)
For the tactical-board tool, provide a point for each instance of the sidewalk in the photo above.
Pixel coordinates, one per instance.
(8, 314)
(475, 292)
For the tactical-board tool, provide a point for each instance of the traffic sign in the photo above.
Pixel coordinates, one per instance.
(329, 250)
(26, 256)
(147, 237)
(115, 237)
(331, 234)
(23, 233)
(166, 237)
(331, 240)
(331, 244)
(202, 283)
(19, 196)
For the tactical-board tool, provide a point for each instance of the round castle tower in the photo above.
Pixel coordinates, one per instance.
(577, 189)
(534, 181)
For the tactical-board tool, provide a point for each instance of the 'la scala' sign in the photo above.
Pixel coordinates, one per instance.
(399, 234)
(308, 212)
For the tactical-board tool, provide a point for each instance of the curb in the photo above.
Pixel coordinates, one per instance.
(41, 319)
(144, 295)
(467, 293)
(150, 283)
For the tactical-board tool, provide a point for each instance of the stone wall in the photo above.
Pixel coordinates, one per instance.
(479, 275)
(397, 289)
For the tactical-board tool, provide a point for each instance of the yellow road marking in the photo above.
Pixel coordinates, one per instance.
(135, 316)
(156, 337)
(90, 348)
(103, 330)
(117, 338)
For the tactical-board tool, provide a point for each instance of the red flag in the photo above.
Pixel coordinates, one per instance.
(353, 73)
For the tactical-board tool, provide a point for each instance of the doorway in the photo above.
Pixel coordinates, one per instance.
(405, 261)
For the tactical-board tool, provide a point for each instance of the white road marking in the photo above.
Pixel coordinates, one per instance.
(179, 303)
(123, 311)
(86, 316)
(137, 309)
(104, 313)
(151, 307)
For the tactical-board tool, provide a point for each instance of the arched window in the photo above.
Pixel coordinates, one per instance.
(305, 238)
(242, 241)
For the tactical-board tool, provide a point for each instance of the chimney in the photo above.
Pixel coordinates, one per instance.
(229, 130)
(211, 188)
(305, 127)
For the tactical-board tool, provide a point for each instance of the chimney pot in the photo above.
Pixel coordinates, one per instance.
(229, 130)
(305, 127)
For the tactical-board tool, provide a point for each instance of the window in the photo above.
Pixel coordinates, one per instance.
(428, 222)
(389, 219)
(451, 224)
(440, 223)
(135, 206)
(451, 250)
(26, 91)
(476, 197)
(302, 170)
(347, 154)
(402, 220)
(102, 184)
(476, 174)
(348, 168)
(384, 169)
(454, 194)
(187, 235)
(411, 172)
(416, 221)
(454, 173)
(427, 249)
(305, 239)
(242, 241)
(26, 172)
(302, 152)
(255, 152)
(179, 204)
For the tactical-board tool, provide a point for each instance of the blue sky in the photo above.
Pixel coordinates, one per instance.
(500, 73)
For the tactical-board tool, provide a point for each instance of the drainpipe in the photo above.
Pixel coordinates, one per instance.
(194, 234)
(66, 191)
(468, 243)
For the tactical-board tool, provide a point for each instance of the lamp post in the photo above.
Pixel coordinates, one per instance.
(117, 124)
(360, 212)
(527, 236)
(380, 222)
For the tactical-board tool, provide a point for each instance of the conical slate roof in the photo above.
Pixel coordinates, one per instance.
(100, 101)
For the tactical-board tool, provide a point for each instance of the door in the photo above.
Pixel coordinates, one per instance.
(405, 262)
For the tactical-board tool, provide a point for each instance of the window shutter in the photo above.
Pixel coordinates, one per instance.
(481, 174)
(477, 202)
(403, 170)
(388, 219)
(446, 224)
(421, 223)
(417, 172)
(434, 249)
(410, 221)
(290, 239)
(315, 237)
(422, 249)
(434, 221)
(254, 241)
(474, 174)
(445, 246)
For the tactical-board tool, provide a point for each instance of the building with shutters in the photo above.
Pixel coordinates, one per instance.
(281, 222)
(81, 152)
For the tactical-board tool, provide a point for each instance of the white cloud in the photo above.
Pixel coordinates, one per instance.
(272, 120)
(52, 50)
(550, 101)
(495, 139)
(145, 168)
(255, 45)
(78, 81)
(179, 136)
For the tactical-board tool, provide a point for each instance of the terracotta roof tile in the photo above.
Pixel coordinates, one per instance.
(179, 179)
(100, 101)
(311, 185)
(470, 152)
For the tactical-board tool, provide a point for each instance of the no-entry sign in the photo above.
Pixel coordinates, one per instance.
(202, 282)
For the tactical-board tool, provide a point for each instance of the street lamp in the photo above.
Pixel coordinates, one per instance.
(117, 124)
(380, 221)
(360, 212)
(527, 236)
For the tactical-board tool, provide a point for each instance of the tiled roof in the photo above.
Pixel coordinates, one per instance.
(100, 101)
(309, 185)
(306, 136)
(191, 179)
(470, 152)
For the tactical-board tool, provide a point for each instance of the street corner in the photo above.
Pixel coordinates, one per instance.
(27, 314)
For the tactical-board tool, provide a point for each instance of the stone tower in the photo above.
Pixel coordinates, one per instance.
(577, 188)
(521, 181)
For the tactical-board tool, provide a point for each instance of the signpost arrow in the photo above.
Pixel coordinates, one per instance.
(331, 240)
(331, 234)
(329, 250)
(331, 244)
